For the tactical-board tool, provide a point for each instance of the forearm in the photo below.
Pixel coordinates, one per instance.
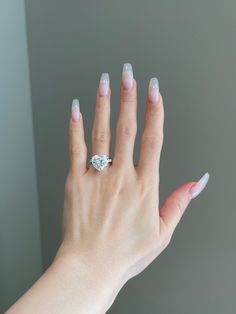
(69, 286)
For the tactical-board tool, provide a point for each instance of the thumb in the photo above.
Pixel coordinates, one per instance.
(175, 205)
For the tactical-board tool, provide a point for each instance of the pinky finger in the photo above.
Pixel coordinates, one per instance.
(77, 145)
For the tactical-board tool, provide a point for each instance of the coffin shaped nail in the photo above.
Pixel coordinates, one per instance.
(75, 110)
(127, 76)
(153, 90)
(104, 84)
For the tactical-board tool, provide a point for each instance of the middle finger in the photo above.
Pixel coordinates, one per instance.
(101, 133)
(126, 127)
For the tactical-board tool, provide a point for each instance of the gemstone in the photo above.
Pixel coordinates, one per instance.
(99, 162)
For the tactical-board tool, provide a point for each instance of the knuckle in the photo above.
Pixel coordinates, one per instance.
(144, 188)
(148, 178)
(128, 97)
(147, 187)
(101, 136)
(75, 150)
(116, 185)
(100, 104)
(152, 141)
(127, 130)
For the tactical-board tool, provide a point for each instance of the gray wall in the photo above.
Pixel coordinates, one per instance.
(20, 257)
(191, 47)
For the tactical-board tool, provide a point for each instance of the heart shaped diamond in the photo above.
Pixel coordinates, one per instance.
(99, 162)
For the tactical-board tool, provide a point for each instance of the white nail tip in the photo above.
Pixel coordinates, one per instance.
(154, 83)
(153, 90)
(204, 179)
(75, 104)
(200, 185)
(127, 69)
(104, 84)
(104, 78)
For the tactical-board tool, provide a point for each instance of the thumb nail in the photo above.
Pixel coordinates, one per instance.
(199, 186)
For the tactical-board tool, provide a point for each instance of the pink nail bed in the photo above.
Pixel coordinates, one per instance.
(153, 90)
(127, 76)
(104, 84)
(75, 110)
(199, 186)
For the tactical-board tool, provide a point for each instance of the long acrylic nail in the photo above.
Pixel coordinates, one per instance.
(199, 186)
(153, 90)
(104, 84)
(75, 110)
(127, 76)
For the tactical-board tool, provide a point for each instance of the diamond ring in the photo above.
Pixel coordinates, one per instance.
(99, 162)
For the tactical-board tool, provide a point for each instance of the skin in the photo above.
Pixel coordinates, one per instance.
(113, 226)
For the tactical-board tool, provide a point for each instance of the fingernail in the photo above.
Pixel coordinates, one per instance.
(198, 187)
(153, 90)
(75, 110)
(104, 84)
(127, 76)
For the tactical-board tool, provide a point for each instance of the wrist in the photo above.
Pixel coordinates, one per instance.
(96, 283)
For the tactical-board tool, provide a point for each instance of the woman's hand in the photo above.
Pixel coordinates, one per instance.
(113, 227)
(112, 220)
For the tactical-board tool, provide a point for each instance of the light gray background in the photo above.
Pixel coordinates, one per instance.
(191, 47)
(20, 254)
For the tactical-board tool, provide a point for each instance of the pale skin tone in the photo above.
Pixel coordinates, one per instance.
(113, 226)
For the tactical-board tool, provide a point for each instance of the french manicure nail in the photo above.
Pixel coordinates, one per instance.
(127, 76)
(153, 90)
(104, 84)
(199, 186)
(75, 110)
